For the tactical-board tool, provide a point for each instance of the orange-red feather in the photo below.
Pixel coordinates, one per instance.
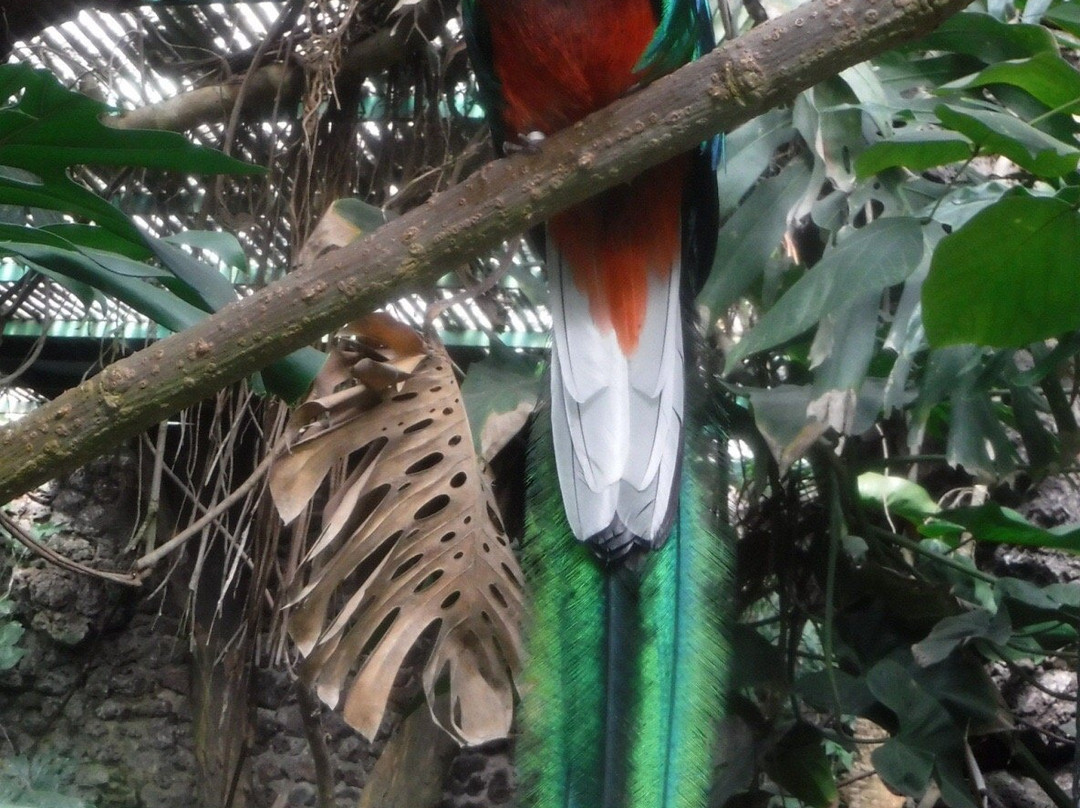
(557, 61)
(614, 241)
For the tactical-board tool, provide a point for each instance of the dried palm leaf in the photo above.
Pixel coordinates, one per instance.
(409, 540)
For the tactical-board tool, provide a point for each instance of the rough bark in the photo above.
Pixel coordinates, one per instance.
(766, 67)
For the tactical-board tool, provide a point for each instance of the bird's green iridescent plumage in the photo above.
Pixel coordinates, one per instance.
(626, 671)
(626, 666)
(680, 37)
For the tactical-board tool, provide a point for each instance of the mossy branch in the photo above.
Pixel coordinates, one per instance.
(765, 68)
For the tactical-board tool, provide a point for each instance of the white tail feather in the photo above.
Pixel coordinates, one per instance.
(616, 420)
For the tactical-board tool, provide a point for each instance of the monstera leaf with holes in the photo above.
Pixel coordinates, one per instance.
(409, 540)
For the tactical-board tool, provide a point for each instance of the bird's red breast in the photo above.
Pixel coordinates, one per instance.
(559, 60)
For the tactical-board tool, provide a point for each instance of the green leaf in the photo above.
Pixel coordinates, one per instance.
(291, 376)
(363, 216)
(929, 742)
(125, 280)
(500, 392)
(993, 523)
(1045, 76)
(157, 303)
(211, 290)
(843, 347)
(748, 153)
(798, 763)
(871, 259)
(952, 632)
(10, 634)
(1066, 16)
(904, 768)
(987, 39)
(1000, 133)
(977, 439)
(921, 718)
(816, 689)
(224, 245)
(1006, 278)
(752, 235)
(46, 129)
(98, 238)
(1042, 445)
(958, 206)
(50, 127)
(897, 495)
(914, 149)
(963, 686)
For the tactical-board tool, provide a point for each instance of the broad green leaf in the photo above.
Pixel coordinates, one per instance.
(914, 149)
(1023, 596)
(987, 39)
(363, 216)
(798, 763)
(922, 720)
(833, 129)
(993, 523)
(999, 133)
(50, 127)
(904, 768)
(977, 439)
(211, 290)
(844, 345)
(752, 235)
(500, 392)
(1008, 277)
(98, 238)
(1042, 445)
(871, 259)
(1066, 16)
(157, 303)
(45, 129)
(959, 205)
(126, 281)
(958, 630)
(929, 742)
(291, 376)
(748, 152)
(897, 495)
(1046, 76)
(901, 73)
(222, 244)
(817, 690)
(10, 654)
(965, 689)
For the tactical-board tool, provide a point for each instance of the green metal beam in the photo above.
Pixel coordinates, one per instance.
(99, 329)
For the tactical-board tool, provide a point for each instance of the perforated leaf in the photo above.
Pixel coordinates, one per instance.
(410, 539)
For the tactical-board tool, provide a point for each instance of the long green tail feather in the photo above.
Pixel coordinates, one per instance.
(624, 683)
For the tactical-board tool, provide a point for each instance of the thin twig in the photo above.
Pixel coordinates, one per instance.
(151, 558)
(311, 716)
(16, 531)
(437, 307)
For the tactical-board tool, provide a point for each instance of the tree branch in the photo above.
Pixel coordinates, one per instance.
(279, 85)
(766, 67)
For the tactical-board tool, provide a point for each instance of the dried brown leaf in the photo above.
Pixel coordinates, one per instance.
(410, 539)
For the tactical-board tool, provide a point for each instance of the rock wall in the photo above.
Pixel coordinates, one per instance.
(98, 710)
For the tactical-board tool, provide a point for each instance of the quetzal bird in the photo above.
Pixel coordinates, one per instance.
(625, 678)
